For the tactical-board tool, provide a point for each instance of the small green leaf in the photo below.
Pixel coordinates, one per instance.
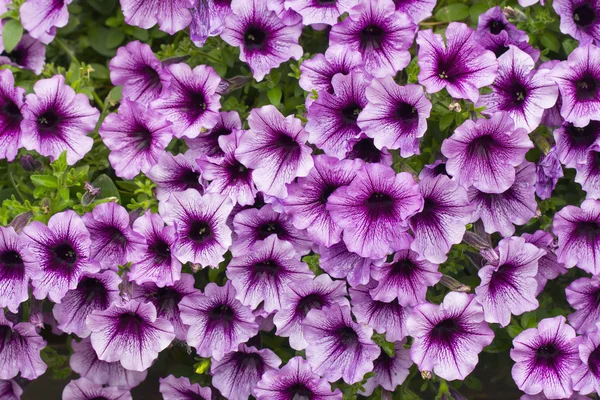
(12, 34)
(274, 95)
(202, 366)
(529, 320)
(46, 181)
(384, 344)
(549, 40)
(64, 193)
(60, 164)
(452, 12)
(446, 121)
(106, 186)
(114, 38)
(476, 10)
(513, 330)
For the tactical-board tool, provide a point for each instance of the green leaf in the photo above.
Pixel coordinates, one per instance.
(12, 34)
(59, 166)
(473, 383)
(476, 10)
(549, 40)
(107, 187)
(529, 320)
(385, 345)
(446, 120)
(452, 12)
(115, 38)
(46, 181)
(513, 330)
(274, 95)
(64, 193)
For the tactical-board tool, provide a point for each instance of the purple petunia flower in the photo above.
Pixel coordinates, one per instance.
(175, 173)
(84, 389)
(588, 172)
(217, 321)
(237, 374)
(166, 300)
(406, 278)
(448, 338)
(460, 64)
(484, 153)
(129, 333)
(264, 271)
(207, 144)
(227, 175)
(545, 358)
(181, 389)
(11, 103)
(364, 148)
(157, 264)
(295, 380)
(332, 118)
(29, 54)
(319, 11)
(136, 137)
(139, 71)
(389, 318)
(379, 33)
(442, 222)
(190, 101)
(338, 346)
(301, 297)
(520, 91)
(307, 198)
(275, 149)
(171, 15)
(41, 18)
(395, 116)
(94, 292)
(586, 377)
(17, 266)
(20, 350)
(579, 18)
(549, 171)
(578, 80)
(318, 72)
(263, 38)
(509, 287)
(417, 10)
(114, 243)
(56, 119)
(86, 363)
(389, 371)
(516, 205)
(577, 232)
(208, 19)
(199, 221)
(341, 263)
(582, 295)
(501, 43)
(494, 22)
(10, 390)
(573, 143)
(62, 249)
(548, 266)
(374, 209)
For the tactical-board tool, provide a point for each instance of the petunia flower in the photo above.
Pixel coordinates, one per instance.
(390, 372)
(137, 69)
(114, 243)
(500, 44)
(226, 174)
(175, 173)
(41, 18)
(181, 389)
(460, 64)
(317, 73)
(417, 10)
(94, 292)
(190, 101)
(373, 211)
(338, 347)
(341, 263)
(442, 222)
(217, 321)
(10, 390)
(573, 143)
(509, 287)
(56, 119)
(520, 91)
(207, 144)
(136, 137)
(545, 358)
(62, 249)
(166, 299)
(549, 171)
(493, 22)
(301, 297)
(274, 148)
(307, 198)
(237, 374)
(264, 40)
(20, 350)
(129, 333)
(577, 231)
(29, 54)
(586, 377)
(86, 363)
(582, 295)
(11, 104)
(449, 337)
(579, 18)
(484, 153)
(318, 11)
(332, 118)
(171, 15)
(364, 149)
(264, 271)
(406, 279)
(295, 380)
(548, 266)
(157, 264)
(578, 80)
(84, 389)
(17, 266)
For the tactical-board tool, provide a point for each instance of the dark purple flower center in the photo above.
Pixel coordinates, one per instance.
(11, 260)
(152, 77)
(445, 330)
(584, 15)
(326, 192)
(350, 113)
(143, 137)
(589, 230)
(548, 355)
(495, 26)
(238, 171)
(161, 250)
(440, 169)
(586, 87)
(371, 37)
(380, 204)
(255, 38)
(502, 278)
(347, 336)
(222, 2)
(307, 303)
(299, 391)
(94, 291)
(266, 268)
(115, 236)
(365, 150)
(166, 299)
(270, 228)
(499, 50)
(223, 313)
(584, 136)
(518, 93)
(199, 231)
(287, 143)
(481, 145)
(131, 324)
(402, 268)
(594, 362)
(12, 111)
(405, 112)
(64, 255)
(251, 361)
(48, 121)
(99, 398)
(196, 102)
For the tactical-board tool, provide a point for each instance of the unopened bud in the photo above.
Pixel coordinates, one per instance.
(20, 221)
(454, 285)
(30, 163)
(476, 241)
(426, 375)
(90, 194)
(135, 214)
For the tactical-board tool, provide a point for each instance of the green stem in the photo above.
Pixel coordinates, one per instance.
(66, 50)
(98, 100)
(14, 185)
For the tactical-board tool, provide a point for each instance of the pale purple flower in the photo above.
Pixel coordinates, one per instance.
(318, 72)
(417, 10)
(41, 17)
(20, 350)
(181, 389)
(493, 22)
(17, 266)
(10, 390)
(207, 144)
(29, 54)
(390, 372)
(11, 104)
(586, 377)
(549, 171)
(171, 15)
(320, 11)
(573, 143)
(579, 18)
(175, 173)
(84, 389)
(341, 263)
(549, 268)
(582, 295)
